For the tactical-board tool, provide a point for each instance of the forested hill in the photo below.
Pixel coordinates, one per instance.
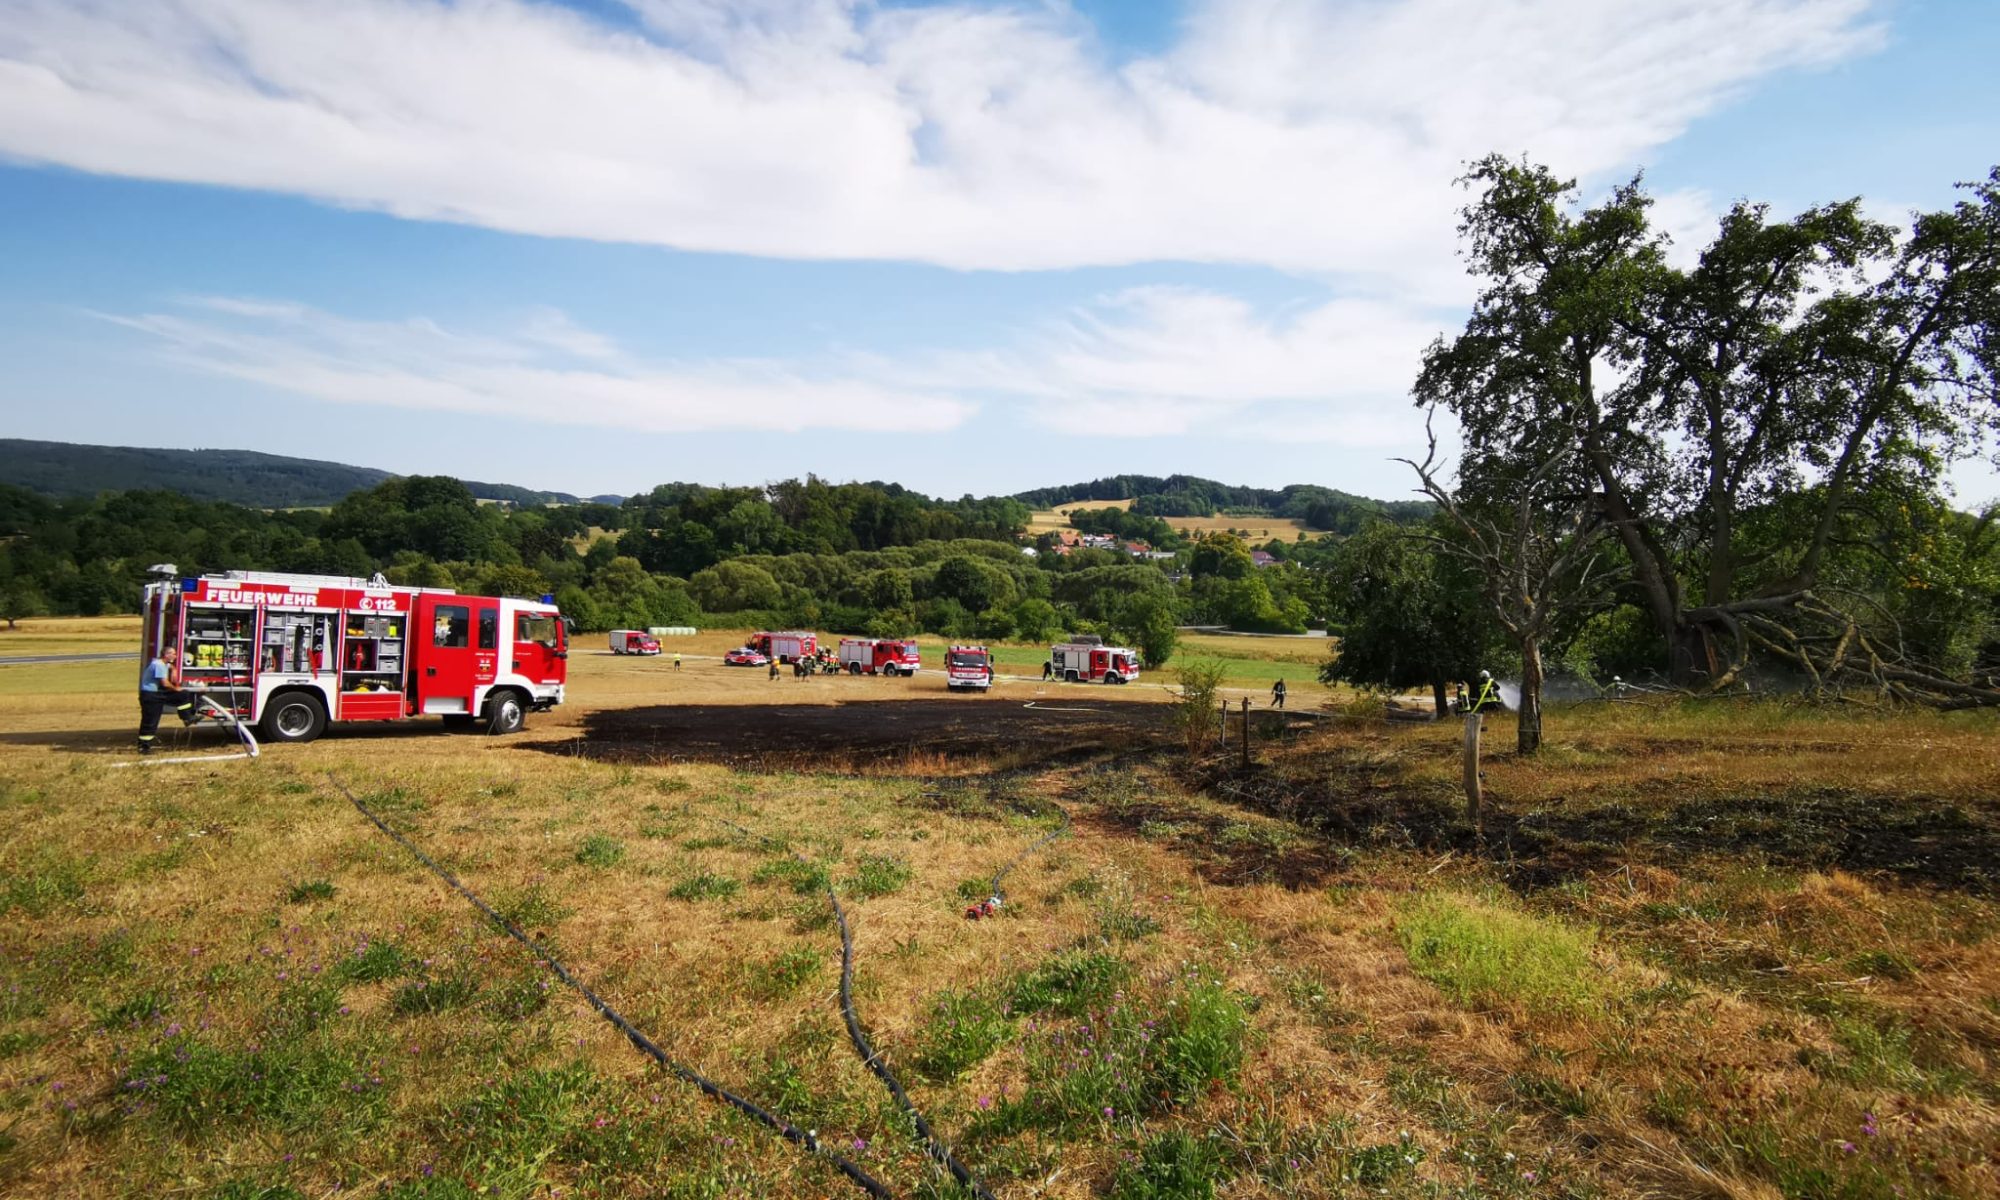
(1190, 496)
(63, 469)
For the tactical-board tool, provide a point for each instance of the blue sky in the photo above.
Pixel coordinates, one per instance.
(975, 247)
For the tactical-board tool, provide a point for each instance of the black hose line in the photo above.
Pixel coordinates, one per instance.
(640, 1042)
(998, 892)
(934, 1146)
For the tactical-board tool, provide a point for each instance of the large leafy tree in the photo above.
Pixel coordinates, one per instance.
(1807, 366)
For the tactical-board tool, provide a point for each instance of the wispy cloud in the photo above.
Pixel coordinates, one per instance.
(1142, 362)
(547, 371)
(1311, 137)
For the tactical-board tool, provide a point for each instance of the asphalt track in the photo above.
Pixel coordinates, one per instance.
(31, 659)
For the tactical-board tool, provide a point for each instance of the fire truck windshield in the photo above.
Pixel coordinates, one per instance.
(965, 658)
(535, 627)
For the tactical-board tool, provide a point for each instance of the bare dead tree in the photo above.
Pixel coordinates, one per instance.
(1536, 551)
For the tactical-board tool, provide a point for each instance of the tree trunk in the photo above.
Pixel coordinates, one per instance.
(1529, 738)
(1437, 696)
(1691, 656)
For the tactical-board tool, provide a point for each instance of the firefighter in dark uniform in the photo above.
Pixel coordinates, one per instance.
(159, 691)
(1278, 694)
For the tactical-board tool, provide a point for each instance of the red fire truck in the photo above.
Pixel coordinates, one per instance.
(1086, 662)
(968, 667)
(879, 656)
(785, 647)
(291, 652)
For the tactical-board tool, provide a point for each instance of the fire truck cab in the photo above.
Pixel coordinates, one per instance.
(786, 647)
(294, 652)
(969, 667)
(879, 656)
(1084, 662)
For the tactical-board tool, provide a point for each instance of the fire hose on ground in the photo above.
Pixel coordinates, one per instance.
(870, 1057)
(640, 1042)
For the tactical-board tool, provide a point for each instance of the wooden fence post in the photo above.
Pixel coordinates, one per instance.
(1475, 808)
(1246, 733)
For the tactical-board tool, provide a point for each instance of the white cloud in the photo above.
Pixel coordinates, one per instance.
(1149, 362)
(548, 372)
(1175, 361)
(1312, 137)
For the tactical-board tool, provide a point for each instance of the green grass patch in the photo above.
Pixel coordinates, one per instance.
(371, 962)
(1070, 983)
(197, 1087)
(705, 886)
(784, 974)
(307, 891)
(1175, 1165)
(45, 881)
(878, 875)
(802, 877)
(601, 851)
(530, 907)
(963, 1029)
(146, 1005)
(443, 993)
(1483, 955)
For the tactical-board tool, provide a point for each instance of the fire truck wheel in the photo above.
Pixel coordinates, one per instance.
(505, 713)
(294, 717)
(854, 668)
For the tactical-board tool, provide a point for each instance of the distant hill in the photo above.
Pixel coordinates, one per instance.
(244, 477)
(1170, 496)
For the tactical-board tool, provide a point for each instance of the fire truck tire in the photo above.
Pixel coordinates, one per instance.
(505, 713)
(1069, 676)
(1114, 679)
(294, 717)
(854, 668)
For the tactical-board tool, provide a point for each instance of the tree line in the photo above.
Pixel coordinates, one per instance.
(848, 558)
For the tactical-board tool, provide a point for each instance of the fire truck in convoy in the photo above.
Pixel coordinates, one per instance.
(879, 656)
(785, 647)
(968, 667)
(633, 641)
(1090, 662)
(292, 652)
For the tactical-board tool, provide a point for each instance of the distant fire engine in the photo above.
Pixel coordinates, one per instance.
(877, 656)
(968, 667)
(1084, 662)
(291, 652)
(785, 647)
(633, 641)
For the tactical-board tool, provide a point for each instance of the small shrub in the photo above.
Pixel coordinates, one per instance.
(310, 890)
(785, 974)
(878, 875)
(1070, 983)
(705, 887)
(963, 1029)
(1481, 954)
(600, 850)
(1553, 1094)
(1176, 1165)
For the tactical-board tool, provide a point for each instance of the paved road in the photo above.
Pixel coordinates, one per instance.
(28, 659)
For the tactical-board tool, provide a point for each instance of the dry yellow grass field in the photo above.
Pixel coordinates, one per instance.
(1736, 951)
(1256, 529)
